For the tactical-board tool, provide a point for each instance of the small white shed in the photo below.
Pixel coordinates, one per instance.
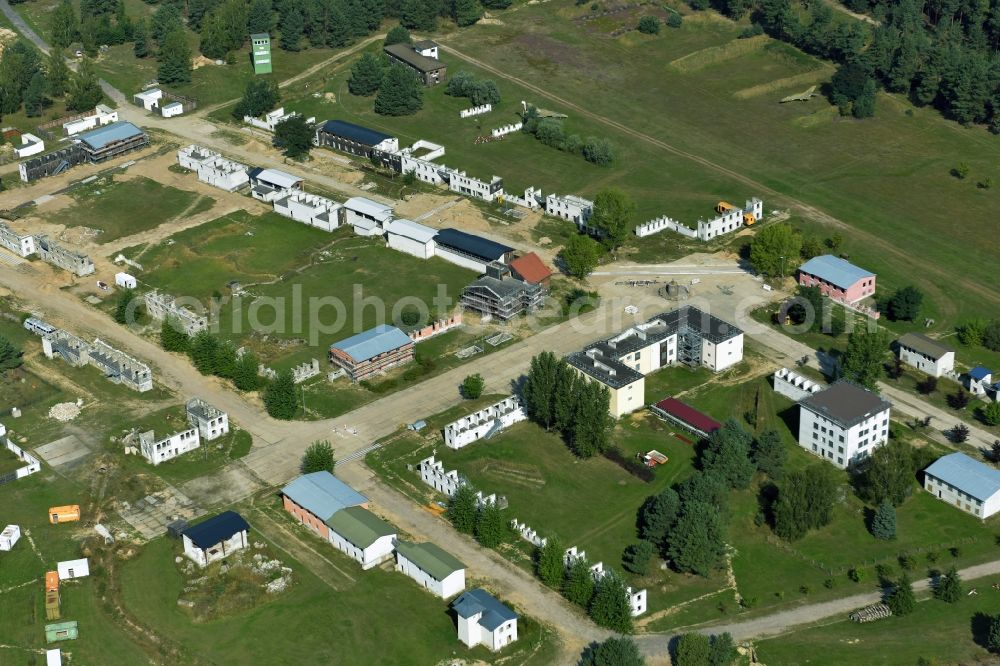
(10, 535)
(73, 569)
(53, 657)
(124, 280)
(172, 109)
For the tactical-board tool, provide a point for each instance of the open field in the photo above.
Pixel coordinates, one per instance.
(852, 170)
(936, 631)
(123, 208)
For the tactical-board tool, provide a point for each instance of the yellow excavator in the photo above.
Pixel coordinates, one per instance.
(724, 207)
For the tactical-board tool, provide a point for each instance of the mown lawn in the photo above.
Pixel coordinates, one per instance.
(123, 208)
(935, 631)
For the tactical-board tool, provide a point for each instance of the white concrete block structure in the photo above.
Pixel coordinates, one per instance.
(101, 115)
(475, 111)
(843, 424)
(159, 451)
(311, 209)
(211, 423)
(270, 120)
(793, 385)
(369, 218)
(77, 263)
(30, 145)
(966, 483)
(148, 99)
(269, 185)
(432, 473)
(925, 354)
(484, 423)
(432, 568)
(215, 538)
(10, 536)
(214, 169)
(461, 182)
(411, 237)
(23, 245)
(571, 207)
(164, 306)
(125, 281)
(73, 569)
(483, 620)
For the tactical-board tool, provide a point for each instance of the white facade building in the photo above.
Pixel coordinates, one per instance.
(73, 569)
(432, 473)
(21, 245)
(214, 169)
(484, 423)
(211, 423)
(168, 448)
(172, 109)
(925, 354)
(843, 424)
(793, 385)
(966, 483)
(431, 567)
(10, 536)
(311, 209)
(102, 115)
(362, 536)
(412, 238)
(369, 218)
(483, 620)
(573, 208)
(125, 281)
(30, 145)
(459, 181)
(148, 99)
(215, 538)
(269, 185)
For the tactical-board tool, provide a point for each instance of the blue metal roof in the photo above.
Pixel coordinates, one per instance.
(379, 340)
(835, 270)
(322, 494)
(102, 136)
(481, 601)
(363, 135)
(968, 475)
(979, 373)
(219, 528)
(474, 245)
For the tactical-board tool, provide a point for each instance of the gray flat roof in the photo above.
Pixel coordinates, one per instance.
(846, 403)
(605, 369)
(419, 62)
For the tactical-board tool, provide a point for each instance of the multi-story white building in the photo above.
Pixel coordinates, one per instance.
(686, 335)
(369, 218)
(571, 207)
(483, 620)
(211, 423)
(484, 423)
(843, 424)
(214, 169)
(21, 245)
(927, 355)
(168, 448)
(431, 567)
(966, 483)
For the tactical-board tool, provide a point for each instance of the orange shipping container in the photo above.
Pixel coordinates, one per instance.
(51, 580)
(64, 514)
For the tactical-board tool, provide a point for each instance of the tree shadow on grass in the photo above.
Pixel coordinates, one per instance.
(980, 626)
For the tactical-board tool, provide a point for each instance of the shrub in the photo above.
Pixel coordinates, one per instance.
(649, 25)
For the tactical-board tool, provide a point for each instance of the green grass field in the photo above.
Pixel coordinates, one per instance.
(937, 632)
(122, 208)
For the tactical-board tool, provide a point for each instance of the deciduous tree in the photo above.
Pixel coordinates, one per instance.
(769, 454)
(696, 543)
(888, 473)
(805, 501)
(904, 305)
(318, 458)
(259, 97)
(728, 454)
(294, 136)
(658, 515)
(864, 359)
(775, 250)
(84, 88)
(63, 24)
(692, 649)
(614, 651)
(472, 386)
(397, 34)
(57, 72)
(579, 585)
(580, 255)
(613, 215)
(466, 12)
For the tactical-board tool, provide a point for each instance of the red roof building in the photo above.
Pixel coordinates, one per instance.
(674, 410)
(532, 269)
